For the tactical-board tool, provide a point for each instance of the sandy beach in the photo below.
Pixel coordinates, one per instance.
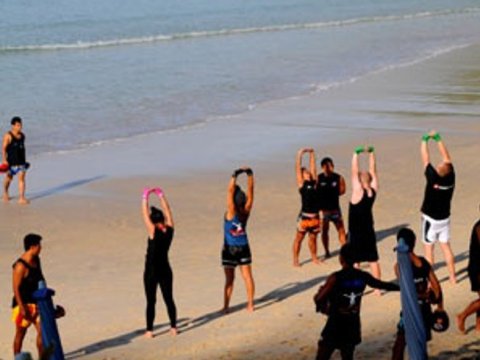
(86, 205)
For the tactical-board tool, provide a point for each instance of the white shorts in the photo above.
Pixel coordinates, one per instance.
(435, 230)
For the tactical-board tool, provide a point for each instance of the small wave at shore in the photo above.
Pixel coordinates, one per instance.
(85, 45)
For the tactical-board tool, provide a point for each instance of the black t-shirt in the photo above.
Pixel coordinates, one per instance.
(157, 250)
(308, 192)
(328, 191)
(16, 150)
(438, 193)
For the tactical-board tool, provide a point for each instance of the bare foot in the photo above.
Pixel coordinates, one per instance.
(23, 201)
(453, 279)
(149, 334)
(250, 308)
(173, 331)
(6, 198)
(296, 263)
(225, 311)
(461, 323)
(327, 255)
(377, 292)
(316, 261)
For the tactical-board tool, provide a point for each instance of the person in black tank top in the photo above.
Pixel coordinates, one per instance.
(474, 275)
(13, 156)
(308, 219)
(157, 271)
(439, 188)
(428, 290)
(330, 186)
(341, 299)
(361, 231)
(27, 272)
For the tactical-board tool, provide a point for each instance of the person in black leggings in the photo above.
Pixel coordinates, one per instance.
(159, 226)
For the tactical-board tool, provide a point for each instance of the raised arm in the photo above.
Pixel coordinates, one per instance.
(424, 150)
(145, 214)
(313, 165)
(372, 167)
(356, 185)
(298, 167)
(250, 188)
(6, 141)
(166, 207)
(442, 148)
(231, 194)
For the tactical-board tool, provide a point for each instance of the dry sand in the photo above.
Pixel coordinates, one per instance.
(94, 239)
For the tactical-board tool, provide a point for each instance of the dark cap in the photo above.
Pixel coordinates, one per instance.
(31, 240)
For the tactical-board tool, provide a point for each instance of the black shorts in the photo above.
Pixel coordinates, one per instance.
(236, 255)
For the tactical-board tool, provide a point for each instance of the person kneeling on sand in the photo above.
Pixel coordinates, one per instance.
(340, 298)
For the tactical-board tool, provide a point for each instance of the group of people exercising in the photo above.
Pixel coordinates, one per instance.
(340, 296)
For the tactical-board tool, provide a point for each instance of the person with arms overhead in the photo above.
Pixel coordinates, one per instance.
(437, 201)
(361, 232)
(160, 229)
(308, 219)
(236, 249)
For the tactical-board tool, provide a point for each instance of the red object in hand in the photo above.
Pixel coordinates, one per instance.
(4, 167)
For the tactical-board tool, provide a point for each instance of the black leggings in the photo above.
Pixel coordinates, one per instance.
(163, 278)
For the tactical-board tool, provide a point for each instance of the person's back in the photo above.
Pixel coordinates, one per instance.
(329, 191)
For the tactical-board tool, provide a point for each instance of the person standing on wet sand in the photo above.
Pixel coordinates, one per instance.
(159, 225)
(437, 201)
(361, 232)
(13, 155)
(474, 275)
(330, 186)
(308, 219)
(236, 250)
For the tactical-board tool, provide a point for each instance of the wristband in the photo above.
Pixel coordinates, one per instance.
(437, 137)
(425, 137)
(371, 149)
(146, 192)
(158, 191)
(237, 172)
(249, 172)
(359, 150)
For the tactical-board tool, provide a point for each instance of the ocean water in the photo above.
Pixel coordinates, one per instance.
(82, 72)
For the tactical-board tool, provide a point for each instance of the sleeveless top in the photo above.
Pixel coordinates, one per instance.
(29, 283)
(420, 276)
(329, 191)
(360, 216)
(158, 247)
(235, 232)
(16, 150)
(308, 193)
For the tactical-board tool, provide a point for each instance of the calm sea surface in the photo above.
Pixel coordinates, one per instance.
(85, 71)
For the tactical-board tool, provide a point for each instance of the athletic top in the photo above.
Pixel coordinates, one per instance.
(329, 191)
(235, 232)
(308, 192)
(29, 283)
(157, 249)
(420, 276)
(474, 256)
(438, 193)
(350, 283)
(16, 150)
(360, 216)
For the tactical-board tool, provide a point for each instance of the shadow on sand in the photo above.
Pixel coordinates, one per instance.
(64, 187)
